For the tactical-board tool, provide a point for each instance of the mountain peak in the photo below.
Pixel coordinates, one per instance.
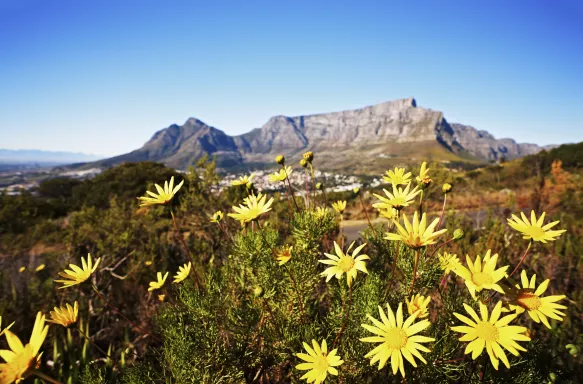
(397, 129)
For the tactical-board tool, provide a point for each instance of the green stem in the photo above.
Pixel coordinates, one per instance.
(366, 213)
(346, 315)
(45, 377)
(291, 191)
(92, 343)
(415, 269)
(522, 259)
(288, 203)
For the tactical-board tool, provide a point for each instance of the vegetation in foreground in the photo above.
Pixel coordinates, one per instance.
(199, 286)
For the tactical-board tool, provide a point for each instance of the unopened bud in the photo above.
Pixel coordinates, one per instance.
(319, 186)
(309, 156)
(356, 191)
(279, 159)
(304, 163)
(257, 291)
(458, 234)
(446, 188)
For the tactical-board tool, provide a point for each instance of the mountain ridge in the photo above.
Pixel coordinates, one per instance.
(397, 129)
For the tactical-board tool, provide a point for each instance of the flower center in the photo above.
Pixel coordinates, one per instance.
(481, 278)
(487, 331)
(529, 300)
(321, 363)
(396, 338)
(535, 232)
(346, 263)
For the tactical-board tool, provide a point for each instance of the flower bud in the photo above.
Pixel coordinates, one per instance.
(319, 186)
(309, 156)
(279, 159)
(304, 163)
(458, 234)
(446, 188)
(356, 190)
(258, 291)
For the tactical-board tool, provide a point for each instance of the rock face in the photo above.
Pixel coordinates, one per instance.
(395, 128)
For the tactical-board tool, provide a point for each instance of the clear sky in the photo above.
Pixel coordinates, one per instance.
(102, 76)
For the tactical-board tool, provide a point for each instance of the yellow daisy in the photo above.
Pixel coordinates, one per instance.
(320, 212)
(281, 175)
(77, 275)
(182, 273)
(529, 299)
(65, 316)
(399, 199)
(164, 194)
(284, 254)
(399, 339)
(254, 207)
(397, 176)
(482, 274)
(339, 206)
(418, 305)
(448, 262)
(158, 283)
(534, 229)
(493, 334)
(319, 363)
(5, 329)
(21, 359)
(217, 217)
(244, 180)
(416, 234)
(345, 263)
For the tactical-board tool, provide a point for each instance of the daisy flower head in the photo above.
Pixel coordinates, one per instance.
(418, 305)
(244, 180)
(254, 206)
(448, 262)
(318, 362)
(21, 359)
(490, 332)
(390, 213)
(320, 212)
(77, 275)
(65, 315)
(341, 263)
(182, 273)
(528, 297)
(339, 206)
(534, 229)
(398, 199)
(397, 176)
(284, 254)
(281, 175)
(159, 282)
(416, 234)
(482, 274)
(164, 194)
(398, 339)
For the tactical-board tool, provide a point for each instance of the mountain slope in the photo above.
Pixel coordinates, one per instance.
(398, 130)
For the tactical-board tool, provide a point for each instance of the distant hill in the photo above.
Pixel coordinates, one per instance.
(35, 156)
(392, 132)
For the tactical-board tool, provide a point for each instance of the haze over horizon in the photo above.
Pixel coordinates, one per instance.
(103, 77)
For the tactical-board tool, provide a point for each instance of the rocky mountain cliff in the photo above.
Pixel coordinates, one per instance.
(398, 130)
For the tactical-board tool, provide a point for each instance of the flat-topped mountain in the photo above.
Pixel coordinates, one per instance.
(397, 130)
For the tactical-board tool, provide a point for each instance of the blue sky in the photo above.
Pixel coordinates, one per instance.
(102, 76)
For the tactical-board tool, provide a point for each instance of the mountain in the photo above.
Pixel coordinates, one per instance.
(35, 156)
(391, 132)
